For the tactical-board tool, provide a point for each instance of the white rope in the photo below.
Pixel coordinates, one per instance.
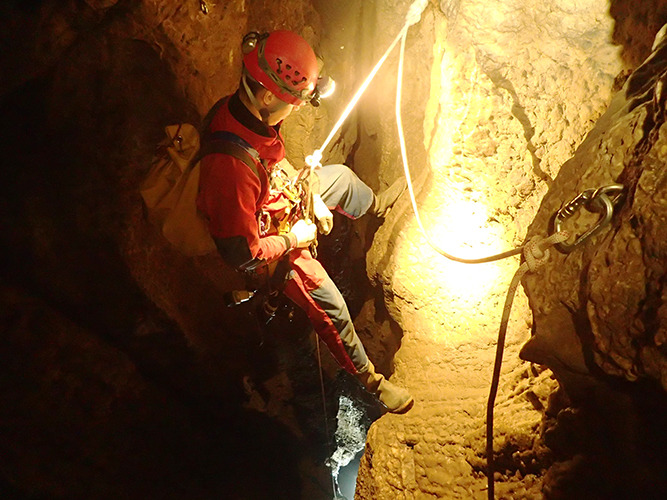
(315, 159)
(412, 17)
(406, 169)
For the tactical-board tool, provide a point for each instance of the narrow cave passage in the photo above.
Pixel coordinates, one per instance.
(128, 377)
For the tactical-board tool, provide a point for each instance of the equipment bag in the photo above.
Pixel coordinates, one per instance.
(172, 184)
(170, 192)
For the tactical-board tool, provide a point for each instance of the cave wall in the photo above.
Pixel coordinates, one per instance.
(600, 327)
(121, 364)
(113, 336)
(515, 88)
(510, 89)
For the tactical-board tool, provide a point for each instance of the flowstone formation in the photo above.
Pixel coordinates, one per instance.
(600, 311)
(509, 90)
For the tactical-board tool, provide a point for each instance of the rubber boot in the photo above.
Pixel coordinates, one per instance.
(386, 199)
(396, 399)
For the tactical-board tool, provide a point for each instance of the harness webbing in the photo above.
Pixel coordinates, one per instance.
(230, 144)
(225, 142)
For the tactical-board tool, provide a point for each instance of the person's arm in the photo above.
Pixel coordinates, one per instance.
(229, 192)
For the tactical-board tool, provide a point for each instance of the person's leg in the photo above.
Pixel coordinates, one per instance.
(328, 313)
(343, 191)
(330, 300)
(310, 288)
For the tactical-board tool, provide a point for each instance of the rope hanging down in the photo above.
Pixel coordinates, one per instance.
(412, 17)
(536, 253)
(314, 160)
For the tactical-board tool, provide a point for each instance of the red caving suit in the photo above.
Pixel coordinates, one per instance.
(231, 196)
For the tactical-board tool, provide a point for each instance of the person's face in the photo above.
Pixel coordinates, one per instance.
(278, 110)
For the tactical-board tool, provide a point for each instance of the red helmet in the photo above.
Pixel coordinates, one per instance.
(283, 63)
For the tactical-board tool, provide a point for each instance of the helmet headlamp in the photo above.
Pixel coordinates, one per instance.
(325, 88)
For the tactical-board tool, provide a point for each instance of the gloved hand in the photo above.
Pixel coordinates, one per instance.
(305, 233)
(322, 214)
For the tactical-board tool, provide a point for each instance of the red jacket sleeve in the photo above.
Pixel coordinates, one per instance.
(229, 196)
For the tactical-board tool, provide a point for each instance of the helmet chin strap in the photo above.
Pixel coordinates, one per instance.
(264, 111)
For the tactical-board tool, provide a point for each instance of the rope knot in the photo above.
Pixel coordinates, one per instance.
(415, 12)
(536, 253)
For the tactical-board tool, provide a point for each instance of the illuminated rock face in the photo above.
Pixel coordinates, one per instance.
(601, 308)
(498, 99)
(515, 89)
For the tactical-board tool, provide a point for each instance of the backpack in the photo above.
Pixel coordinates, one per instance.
(170, 189)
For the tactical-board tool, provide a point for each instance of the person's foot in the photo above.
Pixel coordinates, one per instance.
(394, 398)
(383, 202)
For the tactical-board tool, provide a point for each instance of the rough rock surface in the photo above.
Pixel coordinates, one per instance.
(513, 89)
(620, 293)
(603, 307)
(89, 88)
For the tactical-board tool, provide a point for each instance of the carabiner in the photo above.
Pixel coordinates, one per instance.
(597, 200)
(614, 189)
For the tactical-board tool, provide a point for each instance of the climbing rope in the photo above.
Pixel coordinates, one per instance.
(536, 254)
(324, 402)
(412, 17)
(314, 160)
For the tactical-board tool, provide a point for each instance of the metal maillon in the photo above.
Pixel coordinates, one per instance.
(601, 200)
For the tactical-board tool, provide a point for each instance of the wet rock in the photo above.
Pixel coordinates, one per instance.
(603, 305)
(599, 310)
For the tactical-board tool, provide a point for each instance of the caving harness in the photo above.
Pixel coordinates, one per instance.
(265, 280)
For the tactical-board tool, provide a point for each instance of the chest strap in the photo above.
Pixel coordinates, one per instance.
(228, 143)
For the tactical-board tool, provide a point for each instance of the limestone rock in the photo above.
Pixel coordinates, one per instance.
(513, 88)
(606, 296)
(599, 310)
